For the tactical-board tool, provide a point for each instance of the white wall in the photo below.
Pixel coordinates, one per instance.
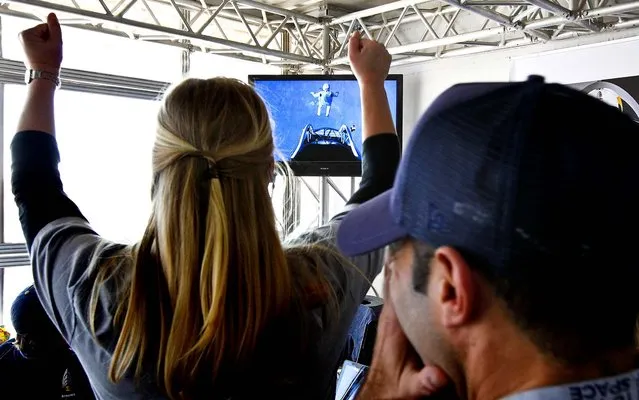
(589, 62)
(423, 83)
(583, 64)
(614, 58)
(617, 56)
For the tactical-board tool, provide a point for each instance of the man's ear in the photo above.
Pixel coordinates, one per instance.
(455, 287)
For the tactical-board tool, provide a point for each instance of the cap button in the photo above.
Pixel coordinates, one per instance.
(536, 79)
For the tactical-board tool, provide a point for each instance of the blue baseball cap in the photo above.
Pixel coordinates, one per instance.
(508, 172)
(28, 315)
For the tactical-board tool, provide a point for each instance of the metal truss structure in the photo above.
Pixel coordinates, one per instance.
(243, 29)
(454, 27)
(412, 30)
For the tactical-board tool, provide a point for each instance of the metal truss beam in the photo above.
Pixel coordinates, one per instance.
(411, 29)
(413, 32)
(244, 29)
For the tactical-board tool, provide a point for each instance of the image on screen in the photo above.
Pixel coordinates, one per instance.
(318, 120)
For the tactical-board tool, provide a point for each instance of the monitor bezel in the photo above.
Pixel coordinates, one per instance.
(319, 168)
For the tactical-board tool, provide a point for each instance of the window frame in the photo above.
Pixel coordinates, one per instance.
(12, 72)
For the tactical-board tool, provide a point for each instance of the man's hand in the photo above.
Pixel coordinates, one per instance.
(42, 45)
(397, 372)
(370, 60)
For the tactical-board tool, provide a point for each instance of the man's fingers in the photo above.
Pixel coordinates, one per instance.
(434, 378)
(425, 382)
(416, 386)
(55, 32)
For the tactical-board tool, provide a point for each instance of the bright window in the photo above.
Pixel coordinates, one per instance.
(336, 202)
(210, 65)
(99, 52)
(309, 215)
(310, 212)
(105, 146)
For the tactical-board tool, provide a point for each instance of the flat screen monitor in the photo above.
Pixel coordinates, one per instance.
(317, 120)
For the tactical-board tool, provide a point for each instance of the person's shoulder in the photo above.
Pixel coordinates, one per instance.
(56, 234)
(64, 260)
(65, 224)
(9, 352)
(66, 245)
(72, 239)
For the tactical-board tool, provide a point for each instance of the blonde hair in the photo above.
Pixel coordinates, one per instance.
(210, 272)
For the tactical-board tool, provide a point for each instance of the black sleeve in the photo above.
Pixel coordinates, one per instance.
(36, 184)
(380, 159)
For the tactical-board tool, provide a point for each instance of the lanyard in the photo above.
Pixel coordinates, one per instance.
(619, 387)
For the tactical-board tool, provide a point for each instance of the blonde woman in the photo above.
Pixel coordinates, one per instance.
(209, 303)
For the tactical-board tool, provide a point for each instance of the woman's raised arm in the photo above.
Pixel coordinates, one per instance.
(43, 50)
(35, 178)
(370, 62)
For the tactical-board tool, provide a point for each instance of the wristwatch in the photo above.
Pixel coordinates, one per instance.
(33, 74)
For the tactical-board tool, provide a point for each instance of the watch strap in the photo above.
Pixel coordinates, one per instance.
(33, 74)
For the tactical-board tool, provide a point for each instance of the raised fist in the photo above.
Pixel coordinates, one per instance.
(42, 45)
(370, 60)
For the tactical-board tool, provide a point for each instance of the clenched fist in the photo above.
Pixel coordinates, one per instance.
(42, 45)
(370, 60)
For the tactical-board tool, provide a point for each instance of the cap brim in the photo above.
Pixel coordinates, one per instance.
(369, 227)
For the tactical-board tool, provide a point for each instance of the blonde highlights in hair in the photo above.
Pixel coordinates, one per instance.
(210, 272)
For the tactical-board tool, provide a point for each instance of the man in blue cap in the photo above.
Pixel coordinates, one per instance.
(509, 235)
(39, 364)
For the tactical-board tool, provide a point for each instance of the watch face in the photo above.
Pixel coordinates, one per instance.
(28, 76)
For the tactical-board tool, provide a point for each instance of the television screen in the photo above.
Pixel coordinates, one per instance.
(317, 120)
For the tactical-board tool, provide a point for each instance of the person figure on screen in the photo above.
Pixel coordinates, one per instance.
(324, 99)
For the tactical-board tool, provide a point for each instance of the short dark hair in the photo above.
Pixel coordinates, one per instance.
(565, 317)
(558, 312)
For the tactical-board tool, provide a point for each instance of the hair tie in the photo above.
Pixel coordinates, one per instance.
(211, 169)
